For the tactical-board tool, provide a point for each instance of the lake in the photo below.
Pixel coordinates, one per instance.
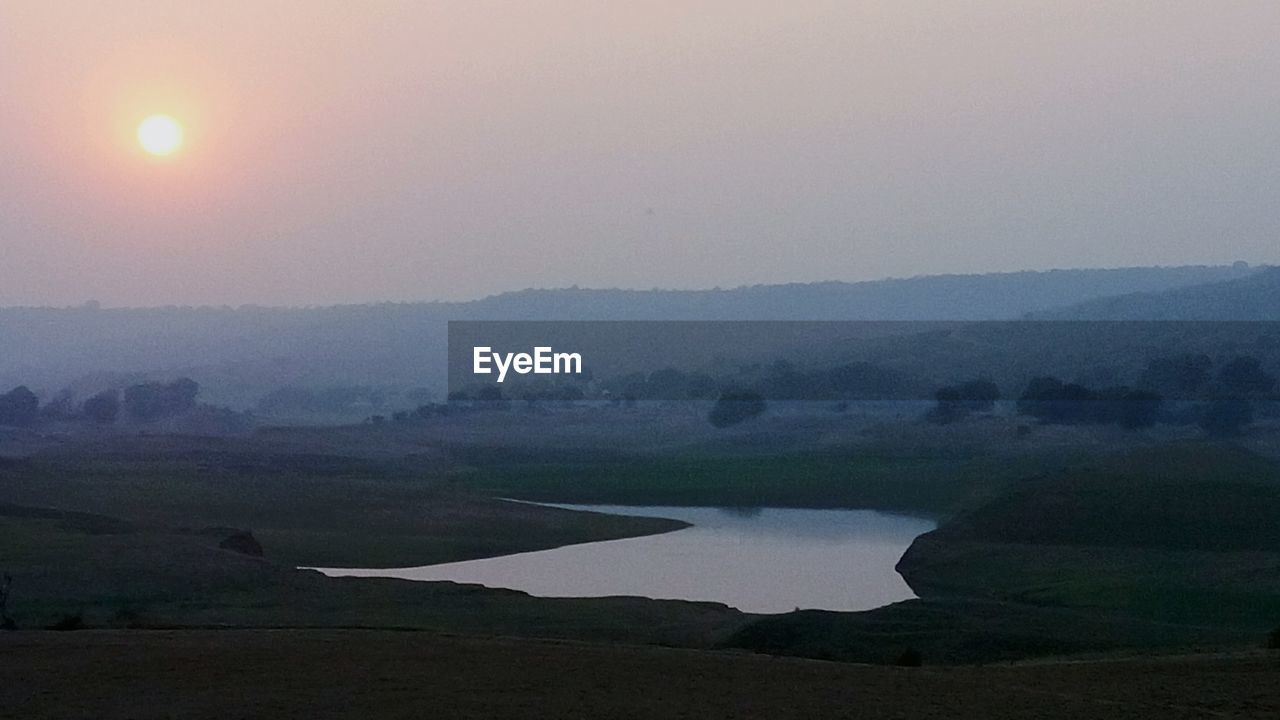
(767, 560)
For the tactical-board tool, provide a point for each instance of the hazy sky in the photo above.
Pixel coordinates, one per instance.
(360, 151)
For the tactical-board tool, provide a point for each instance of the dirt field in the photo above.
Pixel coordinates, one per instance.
(385, 674)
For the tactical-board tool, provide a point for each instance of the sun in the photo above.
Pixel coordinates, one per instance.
(160, 135)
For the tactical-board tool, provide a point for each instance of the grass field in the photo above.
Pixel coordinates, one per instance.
(1070, 541)
(363, 674)
(130, 576)
(305, 508)
(1186, 533)
(819, 460)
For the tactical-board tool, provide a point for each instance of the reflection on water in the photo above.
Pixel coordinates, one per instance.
(764, 560)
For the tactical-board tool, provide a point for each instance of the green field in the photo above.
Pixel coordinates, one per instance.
(1185, 534)
(306, 509)
(1062, 541)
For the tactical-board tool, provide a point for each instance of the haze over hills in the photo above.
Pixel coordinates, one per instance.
(1252, 297)
(239, 354)
(993, 296)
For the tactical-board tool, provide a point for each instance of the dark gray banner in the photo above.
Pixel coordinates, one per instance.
(854, 361)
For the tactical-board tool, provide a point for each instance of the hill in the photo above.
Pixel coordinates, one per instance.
(1254, 297)
(240, 354)
(992, 296)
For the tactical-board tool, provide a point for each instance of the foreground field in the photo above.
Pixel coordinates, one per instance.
(1183, 534)
(362, 674)
(304, 507)
(1060, 542)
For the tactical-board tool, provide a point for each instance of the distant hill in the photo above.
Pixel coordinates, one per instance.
(239, 354)
(994, 296)
(1253, 297)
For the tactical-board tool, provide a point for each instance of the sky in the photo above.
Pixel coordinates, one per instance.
(342, 152)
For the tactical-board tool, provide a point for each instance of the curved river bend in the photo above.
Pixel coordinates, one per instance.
(768, 560)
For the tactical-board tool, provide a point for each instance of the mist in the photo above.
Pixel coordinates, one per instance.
(410, 151)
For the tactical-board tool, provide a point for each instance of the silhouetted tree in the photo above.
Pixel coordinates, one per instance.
(734, 407)
(182, 394)
(1138, 408)
(1226, 417)
(152, 401)
(103, 407)
(19, 407)
(979, 395)
(1245, 376)
(957, 401)
(61, 407)
(1039, 392)
(949, 405)
(1051, 401)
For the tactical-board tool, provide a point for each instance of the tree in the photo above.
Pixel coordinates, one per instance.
(979, 395)
(1245, 376)
(182, 394)
(949, 407)
(1039, 393)
(19, 407)
(734, 407)
(153, 401)
(1227, 417)
(957, 401)
(103, 407)
(1052, 402)
(1138, 408)
(61, 407)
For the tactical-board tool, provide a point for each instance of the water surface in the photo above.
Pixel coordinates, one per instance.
(768, 560)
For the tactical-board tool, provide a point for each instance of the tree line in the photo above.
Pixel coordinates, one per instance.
(141, 403)
(1176, 390)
